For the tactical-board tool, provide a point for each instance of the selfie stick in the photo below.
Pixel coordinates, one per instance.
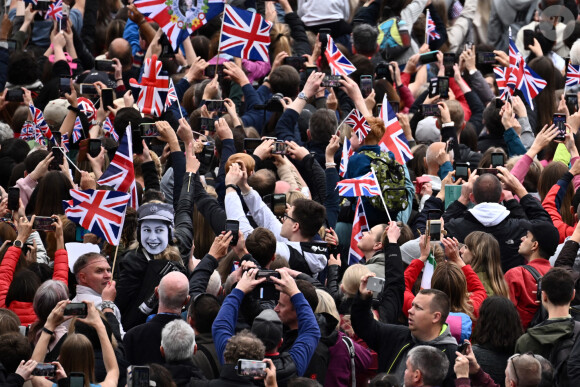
(381, 195)
(69, 160)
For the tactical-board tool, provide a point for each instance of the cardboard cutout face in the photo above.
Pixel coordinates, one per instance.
(154, 236)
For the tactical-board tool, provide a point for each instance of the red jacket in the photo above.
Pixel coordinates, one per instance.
(474, 286)
(24, 310)
(549, 205)
(522, 285)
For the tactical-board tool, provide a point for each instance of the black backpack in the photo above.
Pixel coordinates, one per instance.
(541, 314)
(559, 357)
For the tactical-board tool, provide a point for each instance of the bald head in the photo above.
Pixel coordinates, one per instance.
(121, 49)
(431, 157)
(173, 292)
(487, 189)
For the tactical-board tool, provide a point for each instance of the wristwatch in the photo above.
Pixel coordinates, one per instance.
(107, 305)
(303, 96)
(18, 243)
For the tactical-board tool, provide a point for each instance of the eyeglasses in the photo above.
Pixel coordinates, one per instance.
(286, 216)
(513, 360)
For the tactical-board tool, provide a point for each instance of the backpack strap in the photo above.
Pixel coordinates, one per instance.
(537, 277)
(210, 359)
(351, 352)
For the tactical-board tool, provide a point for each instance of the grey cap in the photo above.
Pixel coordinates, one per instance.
(427, 131)
(268, 327)
(158, 211)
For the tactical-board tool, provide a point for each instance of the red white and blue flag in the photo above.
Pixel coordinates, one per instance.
(65, 142)
(365, 185)
(54, 11)
(394, 139)
(171, 95)
(347, 151)
(120, 175)
(40, 123)
(245, 34)
(27, 132)
(86, 106)
(501, 82)
(77, 130)
(359, 226)
(514, 72)
(338, 63)
(572, 75)
(109, 129)
(153, 88)
(168, 14)
(358, 123)
(430, 29)
(98, 211)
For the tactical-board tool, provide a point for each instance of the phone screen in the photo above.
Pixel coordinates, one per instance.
(280, 148)
(559, 121)
(430, 110)
(75, 309)
(15, 95)
(64, 86)
(375, 284)
(428, 57)
(435, 230)
(433, 87)
(215, 105)
(13, 198)
(366, 85)
(497, 160)
(76, 379)
(448, 62)
(295, 61)
(234, 227)
(43, 223)
(58, 159)
(331, 81)
(149, 130)
(486, 58)
(461, 171)
(528, 38)
(572, 103)
(88, 89)
(250, 144)
(443, 87)
(252, 368)
(94, 147)
(104, 65)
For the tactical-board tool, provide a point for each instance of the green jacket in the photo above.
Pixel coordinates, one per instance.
(541, 338)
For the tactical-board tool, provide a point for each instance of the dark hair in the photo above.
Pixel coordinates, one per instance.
(51, 190)
(9, 321)
(546, 98)
(22, 68)
(91, 333)
(302, 381)
(124, 117)
(17, 173)
(114, 30)
(19, 116)
(310, 215)
(485, 161)
(416, 165)
(160, 375)
(468, 136)
(487, 189)
(23, 287)
(384, 380)
(286, 80)
(364, 39)
(492, 120)
(263, 181)
(203, 310)
(244, 345)
(15, 148)
(322, 125)
(309, 292)
(32, 160)
(201, 45)
(498, 326)
(261, 243)
(558, 285)
(15, 348)
(153, 194)
(439, 302)
(84, 260)
(547, 371)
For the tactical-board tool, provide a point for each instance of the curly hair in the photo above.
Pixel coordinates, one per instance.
(244, 345)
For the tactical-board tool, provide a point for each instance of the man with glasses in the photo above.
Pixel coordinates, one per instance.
(521, 371)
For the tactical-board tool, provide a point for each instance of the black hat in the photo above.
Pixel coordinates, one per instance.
(546, 235)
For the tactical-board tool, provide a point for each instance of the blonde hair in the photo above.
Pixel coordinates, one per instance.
(351, 279)
(281, 40)
(326, 304)
(292, 196)
(77, 355)
(487, 258)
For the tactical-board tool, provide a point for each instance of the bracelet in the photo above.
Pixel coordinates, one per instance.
(447, 125)
(232, 186)
(330, 165)
(45, 329)
(73, 109)
(117, 80)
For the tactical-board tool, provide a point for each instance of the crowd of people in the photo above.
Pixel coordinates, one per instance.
(238, 261)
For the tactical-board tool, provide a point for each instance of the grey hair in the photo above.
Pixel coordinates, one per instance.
(364, 38)
(432, 363)
(214, 284)
(575, 53)
(178, 341)
(5, 132)
(47, 295)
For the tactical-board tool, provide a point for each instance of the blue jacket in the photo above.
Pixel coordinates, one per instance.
(224, 327)
(253, 117)
(360, 164)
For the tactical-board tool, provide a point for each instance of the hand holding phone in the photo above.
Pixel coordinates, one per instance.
(234, 227)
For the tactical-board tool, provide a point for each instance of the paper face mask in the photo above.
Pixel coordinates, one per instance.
(154, 235)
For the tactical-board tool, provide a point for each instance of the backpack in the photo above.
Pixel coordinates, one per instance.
(393, 39)
(559, 357)
(391, 177)
(541, 314)
(350, 346)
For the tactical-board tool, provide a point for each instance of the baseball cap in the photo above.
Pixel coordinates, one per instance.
(158, 211)
(427, 132)
(268, 327)
(55, 111)
(546, 235)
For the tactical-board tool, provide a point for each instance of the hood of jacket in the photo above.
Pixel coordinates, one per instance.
(327, 324)
(444, 338)
(489, 214)
(551, 331)
(377, 259)
(183, 371)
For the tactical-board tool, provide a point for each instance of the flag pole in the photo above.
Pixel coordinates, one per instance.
(427, 28)
(69, 160)
(381, 195)
(114, 261)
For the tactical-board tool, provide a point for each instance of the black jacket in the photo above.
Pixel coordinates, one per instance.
(228, 378)
(183, 371)
(142, 342)
(206, 358)
(459, 223)
(10, 380)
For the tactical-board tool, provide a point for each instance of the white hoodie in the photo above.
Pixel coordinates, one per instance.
(489, 214)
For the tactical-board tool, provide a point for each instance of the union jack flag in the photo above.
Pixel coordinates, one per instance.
(171, 95)
(176, 26)
(65, 142)
(338, 63)
(430, 29)
(38, 137)
(365, 185)
(501, 81)
(27, 132)
(394, 139)
(359, 124)
(531, 84)
(54, 11)
(77, 130)
(40, 123)
(245, 34)
(359, 226)
(86, 106)
(109, 129)
(153, 87)
(98, 211)
(347, 151)
(514, 73)
(120, 175)
(572, 75)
